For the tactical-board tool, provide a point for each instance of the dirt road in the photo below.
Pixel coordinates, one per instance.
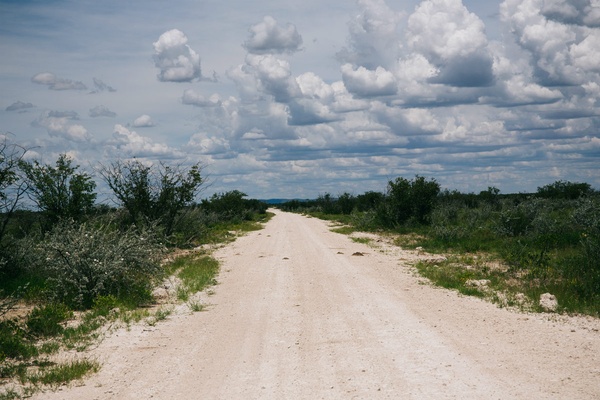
(297, 316)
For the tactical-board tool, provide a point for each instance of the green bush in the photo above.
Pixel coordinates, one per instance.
(82, 262)
(14, 343)
(46, 320)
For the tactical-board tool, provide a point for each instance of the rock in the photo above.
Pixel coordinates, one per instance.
(358, 253)
(548, 302)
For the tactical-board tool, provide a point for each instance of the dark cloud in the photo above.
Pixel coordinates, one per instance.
(309, 112)
(269, 37)
(73, 115)
(55, 83)
(577, 12)
(101, 111)
(19, 106)
(100, 86)
(472, 70)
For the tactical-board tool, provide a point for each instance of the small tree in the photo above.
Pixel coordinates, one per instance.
(153, 193)
(408, 199)
(59, 191)
(12, 187)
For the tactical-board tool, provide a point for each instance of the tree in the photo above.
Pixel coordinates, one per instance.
(155, 193)
(59, 191)
(346, 203)
(408, 199)
(565, 190)
(12, 187)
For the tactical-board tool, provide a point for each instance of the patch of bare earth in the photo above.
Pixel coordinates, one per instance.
(296, 315)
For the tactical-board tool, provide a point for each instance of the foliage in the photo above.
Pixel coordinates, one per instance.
(565, 190)
(12, 187)
(14, 342)
(196, 272)
(548, 241)
(46, 320)
(82, 262)
(59, 192)
(156, 193)
(232, 206)
(408, 199)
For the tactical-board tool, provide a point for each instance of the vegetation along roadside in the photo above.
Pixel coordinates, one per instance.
(70, 268)
(537, 251)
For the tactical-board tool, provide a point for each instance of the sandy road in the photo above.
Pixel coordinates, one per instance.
(297, 316)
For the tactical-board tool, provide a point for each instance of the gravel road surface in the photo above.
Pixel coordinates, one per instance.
(297, 316)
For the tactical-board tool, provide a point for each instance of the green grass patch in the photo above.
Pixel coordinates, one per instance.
(344, 230)
(61, 374)
(363, 240)
(196, 273)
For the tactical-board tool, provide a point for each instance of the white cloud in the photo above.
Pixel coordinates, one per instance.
(58, 124)
(194, 98)
(55, 83)
(363, 82)
(136, 145)
(143, 121)
(273, 76)
(269, 37)
(176, 61)
(374, 37)
(454, 40)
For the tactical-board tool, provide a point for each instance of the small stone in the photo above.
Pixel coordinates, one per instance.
(548, 302)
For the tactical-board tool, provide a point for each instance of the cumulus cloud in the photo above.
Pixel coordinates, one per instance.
(202, 144)
(272, 75)
(59, 124)
(269, 37)
(194, 98)
(19, 106)
(561, 51)
(176, 61)
(101, 111)
(374, 37)
(454, 40)
(137, 145)
(363, 82)
(143, 121)
(578, 12)
(55, 83)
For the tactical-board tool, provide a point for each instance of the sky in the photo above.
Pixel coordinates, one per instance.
(293, 99)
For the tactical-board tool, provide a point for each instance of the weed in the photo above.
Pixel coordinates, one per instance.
(363, 240)
(196, 306)
(63, 373)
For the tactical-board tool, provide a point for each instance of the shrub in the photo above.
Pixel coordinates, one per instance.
(84, 262)
(406, 200)
(46, 320)
(13, 342)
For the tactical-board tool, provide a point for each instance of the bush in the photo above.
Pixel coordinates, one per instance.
(46, 320)
(84, 262)
(13, 342)
(408, 200)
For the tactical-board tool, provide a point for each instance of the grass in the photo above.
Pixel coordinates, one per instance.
(196, 272)
(363, 240)
(61, 374)
(533, 264)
